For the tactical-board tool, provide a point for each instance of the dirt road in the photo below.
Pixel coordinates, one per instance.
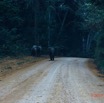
(65, 80)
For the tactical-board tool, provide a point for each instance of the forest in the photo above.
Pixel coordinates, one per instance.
(74, 27)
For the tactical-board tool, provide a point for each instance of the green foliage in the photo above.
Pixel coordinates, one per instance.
(9, 14)
(92, 15)
(10, 23)
(99, 53)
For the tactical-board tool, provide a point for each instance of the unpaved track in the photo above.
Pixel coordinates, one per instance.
(65, 80)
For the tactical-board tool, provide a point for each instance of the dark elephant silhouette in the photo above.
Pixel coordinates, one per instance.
(34, 50)
(51, 53)
(39, 50)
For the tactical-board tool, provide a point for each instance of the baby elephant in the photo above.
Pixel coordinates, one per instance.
(51, 53)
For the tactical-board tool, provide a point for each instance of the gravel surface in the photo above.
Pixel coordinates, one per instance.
(65, 80)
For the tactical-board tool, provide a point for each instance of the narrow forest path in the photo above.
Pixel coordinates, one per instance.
(65, 80)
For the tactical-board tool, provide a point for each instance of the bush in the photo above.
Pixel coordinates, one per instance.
(99, 53)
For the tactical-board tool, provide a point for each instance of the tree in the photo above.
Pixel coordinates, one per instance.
(93, 18)
(10, 21)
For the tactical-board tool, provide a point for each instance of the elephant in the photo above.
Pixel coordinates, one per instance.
(34, 50)
(39, 50)
(51, 53)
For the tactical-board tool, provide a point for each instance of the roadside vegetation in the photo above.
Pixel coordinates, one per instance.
(9, 65)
